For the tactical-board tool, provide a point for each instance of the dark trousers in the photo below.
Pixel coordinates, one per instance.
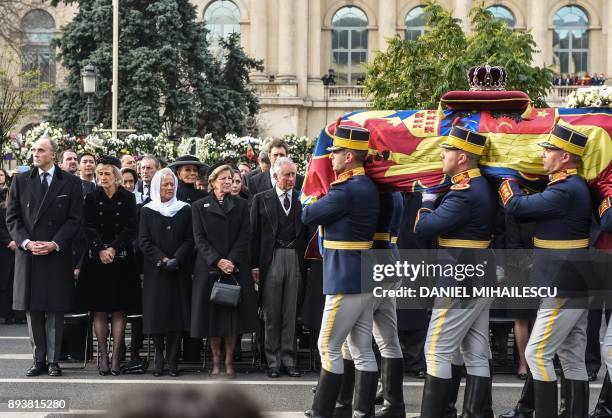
(593, 350)
(414, 349)
(279, 302)
(45, 330)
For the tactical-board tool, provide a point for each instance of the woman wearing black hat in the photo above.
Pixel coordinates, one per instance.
(108, 282)
(187, 169)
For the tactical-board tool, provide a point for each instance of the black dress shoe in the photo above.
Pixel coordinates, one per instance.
(173, 372)
(592, 376)
(419, 374)
(273, 373)
(54, 370)
(291, 371)
(115, 372)
(38, 368)
(157, 373)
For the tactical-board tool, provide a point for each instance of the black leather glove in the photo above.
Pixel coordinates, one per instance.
(172, 265)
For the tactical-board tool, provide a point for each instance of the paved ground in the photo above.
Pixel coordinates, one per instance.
(86, 391)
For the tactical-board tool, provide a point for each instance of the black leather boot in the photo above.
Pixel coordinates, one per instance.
(545, 398)
(562, 396)
(576, 398)
(451, 406)
(475, 398)
(325, 396)
(436, 393)
(392, 377)
(525, 406)
(344, 403)
(603, 409)
(365, 394)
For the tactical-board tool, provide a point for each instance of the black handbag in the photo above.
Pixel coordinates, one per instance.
(225, 294)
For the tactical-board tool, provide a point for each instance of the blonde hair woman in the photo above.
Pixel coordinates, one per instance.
(108, 281)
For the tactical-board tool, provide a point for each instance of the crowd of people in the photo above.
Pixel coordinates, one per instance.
(583, 79)
(177, 244)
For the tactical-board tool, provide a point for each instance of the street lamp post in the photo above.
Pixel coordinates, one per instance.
(89, 77)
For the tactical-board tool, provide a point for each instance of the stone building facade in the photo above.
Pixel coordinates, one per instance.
(300, 40)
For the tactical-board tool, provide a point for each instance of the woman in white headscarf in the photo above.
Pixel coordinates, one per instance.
(166, 240)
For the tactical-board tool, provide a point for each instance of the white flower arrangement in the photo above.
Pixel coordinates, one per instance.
(600, 96)
(230, 149)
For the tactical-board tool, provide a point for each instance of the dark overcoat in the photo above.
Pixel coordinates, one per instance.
(265, 213)
(7, 261)
(221, 232)
(45, 282)
(110, 222)
(166, 302)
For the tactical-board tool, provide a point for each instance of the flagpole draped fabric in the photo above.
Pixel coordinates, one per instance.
(404, 148)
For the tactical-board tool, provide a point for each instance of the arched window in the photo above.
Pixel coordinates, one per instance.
(221, 18)
(571, 40)
(349, 45)
(503, 14)
(416, 20)
(37, 49)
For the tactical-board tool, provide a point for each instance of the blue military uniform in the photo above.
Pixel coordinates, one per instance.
(562, 213)
(347, 218)
(462, 224)
(605, 214)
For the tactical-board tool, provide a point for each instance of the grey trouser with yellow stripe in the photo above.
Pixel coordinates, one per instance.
(606, 348)
(384, 327)
(458, 323)
(347, 317)
(561, 331)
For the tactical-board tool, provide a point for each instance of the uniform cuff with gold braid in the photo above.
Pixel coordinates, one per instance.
(463, 243)
(556, 244)
(604, 206)
(382, 236)
(347, 245)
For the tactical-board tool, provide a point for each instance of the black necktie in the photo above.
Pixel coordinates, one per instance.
(286, 202)
(44, 183)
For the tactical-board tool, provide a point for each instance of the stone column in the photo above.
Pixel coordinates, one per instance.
(259, 36)
(461, 11)
(315, 85)
(301, 45)
(286, 41)
(387, 16)
(536, 21)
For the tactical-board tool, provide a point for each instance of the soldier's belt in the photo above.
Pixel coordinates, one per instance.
(347, 245)
(554, 244)
(463, 243)
(382, 236)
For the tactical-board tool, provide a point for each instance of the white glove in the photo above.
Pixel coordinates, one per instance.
(430, 197)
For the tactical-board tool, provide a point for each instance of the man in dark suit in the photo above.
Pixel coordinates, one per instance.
(265, 180)
(149, 165)
(43, 216)
(87, 168)
(278, 243)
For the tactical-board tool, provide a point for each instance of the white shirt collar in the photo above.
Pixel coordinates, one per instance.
(272, 180)
(280, 193)
(51, 171)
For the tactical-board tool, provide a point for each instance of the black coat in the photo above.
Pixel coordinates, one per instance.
(44, 283)
(265, 212)
(221, 232)
(262, 182)
(109, 223)
(188, 193)
(166, 297)
(7, 261)
(87, 187)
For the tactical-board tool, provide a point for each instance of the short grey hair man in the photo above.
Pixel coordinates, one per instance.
(280, 162)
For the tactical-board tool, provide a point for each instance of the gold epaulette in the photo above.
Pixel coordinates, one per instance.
(604, 206)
